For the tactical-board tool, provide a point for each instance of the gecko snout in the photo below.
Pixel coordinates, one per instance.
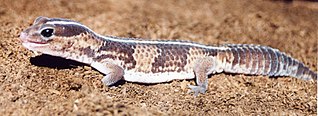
(23, 36)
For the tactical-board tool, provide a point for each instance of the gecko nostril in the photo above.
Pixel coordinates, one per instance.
(23, 35)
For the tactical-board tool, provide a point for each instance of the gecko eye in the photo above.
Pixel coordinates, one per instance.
(47, 32)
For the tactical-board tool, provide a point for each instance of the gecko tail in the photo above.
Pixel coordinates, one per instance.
(303, 72)
(264, 60)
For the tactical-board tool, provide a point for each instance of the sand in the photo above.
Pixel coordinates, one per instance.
(46, 85)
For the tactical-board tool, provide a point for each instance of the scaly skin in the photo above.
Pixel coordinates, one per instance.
(137, 60)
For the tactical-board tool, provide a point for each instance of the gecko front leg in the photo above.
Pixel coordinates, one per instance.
(113, 73)
(202, 68)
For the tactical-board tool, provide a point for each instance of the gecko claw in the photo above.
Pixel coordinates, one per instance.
(196, 90)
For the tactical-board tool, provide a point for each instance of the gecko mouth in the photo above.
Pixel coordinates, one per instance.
(35, 42)
(31, 43)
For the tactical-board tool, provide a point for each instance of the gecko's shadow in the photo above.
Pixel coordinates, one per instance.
(236, 74)
(54, 62)
(60, 63)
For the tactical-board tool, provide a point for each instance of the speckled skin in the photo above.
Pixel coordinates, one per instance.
(138, 60)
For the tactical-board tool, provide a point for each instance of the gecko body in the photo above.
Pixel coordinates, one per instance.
(155, 61)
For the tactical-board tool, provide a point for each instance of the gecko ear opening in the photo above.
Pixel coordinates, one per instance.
(40, 19)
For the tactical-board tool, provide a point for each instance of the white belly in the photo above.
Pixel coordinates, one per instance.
(141, 77)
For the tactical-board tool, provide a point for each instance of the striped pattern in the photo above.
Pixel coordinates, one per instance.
(263, 60)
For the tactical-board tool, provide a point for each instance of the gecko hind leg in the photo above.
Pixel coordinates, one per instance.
(113, 72)
(202, 68)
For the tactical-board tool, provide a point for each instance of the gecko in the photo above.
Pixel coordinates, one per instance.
(156, 61)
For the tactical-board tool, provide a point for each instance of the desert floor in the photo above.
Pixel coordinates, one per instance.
(44, 85)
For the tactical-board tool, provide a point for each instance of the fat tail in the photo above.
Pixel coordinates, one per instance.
(263, 60)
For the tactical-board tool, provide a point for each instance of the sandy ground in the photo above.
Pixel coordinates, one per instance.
(46, 85)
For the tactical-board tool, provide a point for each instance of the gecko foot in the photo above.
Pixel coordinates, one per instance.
(196, 89)
(110, 79)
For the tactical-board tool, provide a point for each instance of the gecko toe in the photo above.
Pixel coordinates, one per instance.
(196, 90)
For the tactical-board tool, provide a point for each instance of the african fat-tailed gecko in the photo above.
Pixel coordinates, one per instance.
(150, 61)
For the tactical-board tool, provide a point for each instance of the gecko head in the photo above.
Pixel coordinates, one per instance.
(53, 36)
